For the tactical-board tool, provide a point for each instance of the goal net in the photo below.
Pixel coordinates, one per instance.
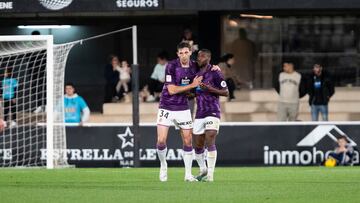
(32, 82)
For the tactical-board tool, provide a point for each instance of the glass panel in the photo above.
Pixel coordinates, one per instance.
(260, 45)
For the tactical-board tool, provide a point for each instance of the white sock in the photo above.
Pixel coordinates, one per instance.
(211, 162)
(200, 159)
(162, 157)
(188, 159)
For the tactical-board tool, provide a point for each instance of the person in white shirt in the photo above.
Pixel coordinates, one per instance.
(124, 77)
(290, 89)
(157, 78)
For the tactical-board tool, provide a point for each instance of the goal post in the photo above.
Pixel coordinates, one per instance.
(37, 90)
(33, 99)
(49, 102)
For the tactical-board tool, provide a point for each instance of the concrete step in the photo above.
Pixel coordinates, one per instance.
(265, 117)
(341, 94)
(126, 108)
(101, 118)
(271, 106)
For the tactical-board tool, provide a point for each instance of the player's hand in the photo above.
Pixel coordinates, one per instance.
(190, 95)
(197, 80)
(81, 124)
(215, 68)
(13, 101)
(204, 86)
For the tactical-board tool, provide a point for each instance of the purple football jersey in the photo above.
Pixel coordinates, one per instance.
(177, 75)
(208, 103)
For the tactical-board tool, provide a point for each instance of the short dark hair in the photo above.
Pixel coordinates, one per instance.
(70, 84)
(182, 45)
(343, 137)
(207, 51)
(317, 64)
(110, 58)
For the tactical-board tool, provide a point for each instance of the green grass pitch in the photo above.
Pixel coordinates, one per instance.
(258, 184)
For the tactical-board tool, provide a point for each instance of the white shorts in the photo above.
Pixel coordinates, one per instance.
(181, 119)
(207, 123)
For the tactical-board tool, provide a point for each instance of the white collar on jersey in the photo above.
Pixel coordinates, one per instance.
(71, 97)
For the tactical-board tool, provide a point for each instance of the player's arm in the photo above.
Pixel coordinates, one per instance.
(221, 92)
(174, 89)
(85, 111)
(220, 86)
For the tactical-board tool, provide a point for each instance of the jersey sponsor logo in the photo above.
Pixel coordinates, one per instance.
(185, 123)
(223, 84)
(168, 78)
(185, 81)
(70, 110)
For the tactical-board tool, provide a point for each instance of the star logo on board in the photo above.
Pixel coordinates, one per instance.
(127, 138)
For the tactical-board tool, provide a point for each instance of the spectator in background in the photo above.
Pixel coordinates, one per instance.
(76, 109)
(189, 38)
(290, 88)
(157, 78)
(9, 87)
(320, 88)
(112, 78)
(245, 55)
(232, 80)
(124, 78)
(343, 153)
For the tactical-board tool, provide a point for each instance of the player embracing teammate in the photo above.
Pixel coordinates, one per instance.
(207, 118)
(180, 78)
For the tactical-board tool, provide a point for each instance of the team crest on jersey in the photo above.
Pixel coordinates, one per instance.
(168, 78)
(223, 84)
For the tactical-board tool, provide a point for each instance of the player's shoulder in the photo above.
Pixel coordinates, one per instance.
(172, 65)
(217, 73)
(79, 97)
(174, 62)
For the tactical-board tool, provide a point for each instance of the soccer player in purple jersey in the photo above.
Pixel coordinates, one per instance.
(180, 77)
(207, 118)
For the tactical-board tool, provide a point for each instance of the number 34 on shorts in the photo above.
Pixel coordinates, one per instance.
(181, 119)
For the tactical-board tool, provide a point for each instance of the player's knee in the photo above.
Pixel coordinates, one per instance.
(187, 141)
(199, 144)
(161, 141)
(210, 144)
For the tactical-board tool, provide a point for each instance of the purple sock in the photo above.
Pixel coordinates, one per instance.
(211, 148)
(187, 148)
(161, 146)
(199, 150)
